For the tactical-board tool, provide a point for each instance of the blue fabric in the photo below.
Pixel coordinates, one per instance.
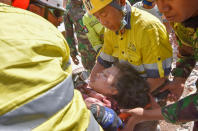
(147, 3)
(155, 73)
(128, 17)
(104, 63)
(115, 5)
(108, 118)
(120, 123)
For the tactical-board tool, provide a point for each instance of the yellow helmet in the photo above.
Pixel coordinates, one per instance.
(93, 6)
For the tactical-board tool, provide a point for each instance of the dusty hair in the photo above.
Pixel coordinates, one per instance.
(133, 90)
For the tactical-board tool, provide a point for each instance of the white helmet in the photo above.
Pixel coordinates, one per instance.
(58, 4)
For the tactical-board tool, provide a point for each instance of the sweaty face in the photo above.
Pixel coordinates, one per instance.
(104, 81)
(178, 10)
(110, 17)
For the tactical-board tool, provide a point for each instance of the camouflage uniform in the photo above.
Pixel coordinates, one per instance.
(187, 39)
(187, 66)
(73, 17)
(184, 110)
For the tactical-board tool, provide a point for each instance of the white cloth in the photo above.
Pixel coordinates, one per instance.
(154, 11)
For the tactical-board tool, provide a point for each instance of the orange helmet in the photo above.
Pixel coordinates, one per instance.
(21, 3)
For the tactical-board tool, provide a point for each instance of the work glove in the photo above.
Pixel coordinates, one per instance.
(106, 117)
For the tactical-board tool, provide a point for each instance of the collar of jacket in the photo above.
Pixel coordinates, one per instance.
(128, 17)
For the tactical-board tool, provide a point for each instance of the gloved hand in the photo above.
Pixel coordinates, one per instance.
(106, 117)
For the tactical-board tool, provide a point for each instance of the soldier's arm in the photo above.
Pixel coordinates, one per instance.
(184, 110)
(186, 69)
(70, 35)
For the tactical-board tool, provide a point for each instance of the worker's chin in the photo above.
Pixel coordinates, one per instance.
(112, 28)
(116, 28)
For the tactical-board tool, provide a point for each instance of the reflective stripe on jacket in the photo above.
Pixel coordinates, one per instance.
(36, 89)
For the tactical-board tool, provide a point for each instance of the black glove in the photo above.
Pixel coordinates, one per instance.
(106, 117)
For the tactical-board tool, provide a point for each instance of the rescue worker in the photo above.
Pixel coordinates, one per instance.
(133, 36)
(184, 17)
(73, 17)
(35, 73)
(95, 31)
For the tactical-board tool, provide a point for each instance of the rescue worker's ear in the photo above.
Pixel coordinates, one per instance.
(122, 2)
(119, 2)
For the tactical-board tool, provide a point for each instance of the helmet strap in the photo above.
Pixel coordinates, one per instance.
(116, 5)
(123, 21)
(46, 13)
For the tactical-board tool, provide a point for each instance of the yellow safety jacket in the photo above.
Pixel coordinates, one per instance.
(36, 88)
(95, 31)
(144, 43)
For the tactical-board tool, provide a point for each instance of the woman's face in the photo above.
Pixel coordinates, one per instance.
(178, 10)
(104, 81)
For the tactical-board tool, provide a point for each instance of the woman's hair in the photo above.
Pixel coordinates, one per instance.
(133, 90)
